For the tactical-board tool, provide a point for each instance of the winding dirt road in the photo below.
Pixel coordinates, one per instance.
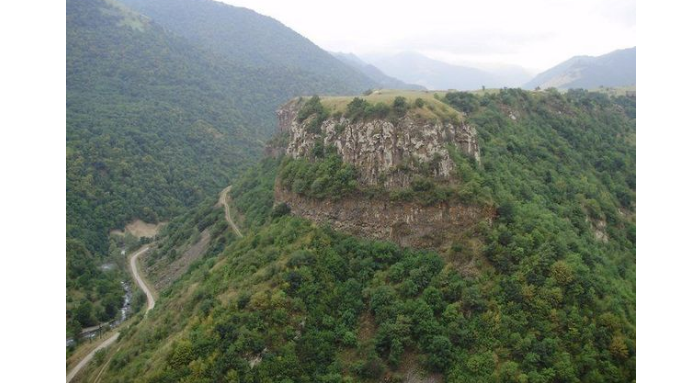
(150, 303)
(150, 300)
(90, 355)
(223, 199)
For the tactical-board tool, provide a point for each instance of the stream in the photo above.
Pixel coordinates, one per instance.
(94, 331)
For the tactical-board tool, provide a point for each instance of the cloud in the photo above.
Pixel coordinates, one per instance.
(623, 12)
(535, 34)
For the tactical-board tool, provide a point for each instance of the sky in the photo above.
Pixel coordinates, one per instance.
(533, 34)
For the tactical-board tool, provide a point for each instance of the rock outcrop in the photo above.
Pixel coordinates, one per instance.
(383, 152)
(386, 154)
(407, 224)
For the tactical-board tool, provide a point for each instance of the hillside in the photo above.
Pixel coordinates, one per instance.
(383, 80)
(615, 69)
(145, 112)
(156, 123)
(541, 288)
(242, 35)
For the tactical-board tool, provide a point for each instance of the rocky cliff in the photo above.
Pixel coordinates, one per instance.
(384, 152)
(407, 224)
(387, 154)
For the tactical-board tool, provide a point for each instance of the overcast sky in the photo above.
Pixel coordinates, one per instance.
(535, 34)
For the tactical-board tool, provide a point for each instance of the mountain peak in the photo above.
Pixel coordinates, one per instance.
(614, 69)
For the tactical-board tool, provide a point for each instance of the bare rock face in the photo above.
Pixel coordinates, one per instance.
(407, 224)
(382, 151)
(386, 154)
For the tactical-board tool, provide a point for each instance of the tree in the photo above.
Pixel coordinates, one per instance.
(400, 106)
(433, 297)
(73, 328)
(506, 212)
(562, 272)
(462, 101)
(84, 314)
(618, 347)
(439, 353)
(280, 210)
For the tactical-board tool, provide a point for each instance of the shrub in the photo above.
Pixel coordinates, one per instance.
(462, 101)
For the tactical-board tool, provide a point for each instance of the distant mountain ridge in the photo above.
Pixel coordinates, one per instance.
(415, 68)
(374, 73)
(615, 69)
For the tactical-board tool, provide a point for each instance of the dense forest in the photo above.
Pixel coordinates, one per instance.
(242, 35)
(94, 295)
(156, 122)
(545, 291)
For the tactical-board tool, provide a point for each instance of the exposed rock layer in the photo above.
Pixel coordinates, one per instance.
(383, 152)
(387, 154)
(405, 223)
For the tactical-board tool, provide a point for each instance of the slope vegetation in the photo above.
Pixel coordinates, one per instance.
(244, 36)
(547, 298)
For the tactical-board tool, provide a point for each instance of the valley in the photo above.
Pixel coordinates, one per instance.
(113, 335)
(340, 301)
(245, 206)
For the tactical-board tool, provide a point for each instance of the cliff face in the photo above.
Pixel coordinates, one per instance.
(406, 223)
(386, 154)
(383, 152)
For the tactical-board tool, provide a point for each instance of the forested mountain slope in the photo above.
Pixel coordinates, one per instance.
(544, 290)
(156, 122)
(242, 35)
(153, 124)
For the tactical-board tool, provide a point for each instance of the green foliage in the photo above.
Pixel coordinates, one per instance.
(252, 194)
(244, 36)
(400, 106)
(93, 295)
(321, 178)
(163, 110)
(280, 210)
(176, 131)
(310, 107)
(462, 101)
(356, 110)
(315, 112)
(360, 109)
(549, 303)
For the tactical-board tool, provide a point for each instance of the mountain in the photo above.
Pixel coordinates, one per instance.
(244, 36)
(436, 75)
(157, 121)
(153, 125)
(137, 89)
(374, 73)
(615, 69)
(534, 280)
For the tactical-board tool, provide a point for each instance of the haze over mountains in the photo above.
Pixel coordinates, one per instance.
(374, 73)
(615, 69)
(433, 74)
